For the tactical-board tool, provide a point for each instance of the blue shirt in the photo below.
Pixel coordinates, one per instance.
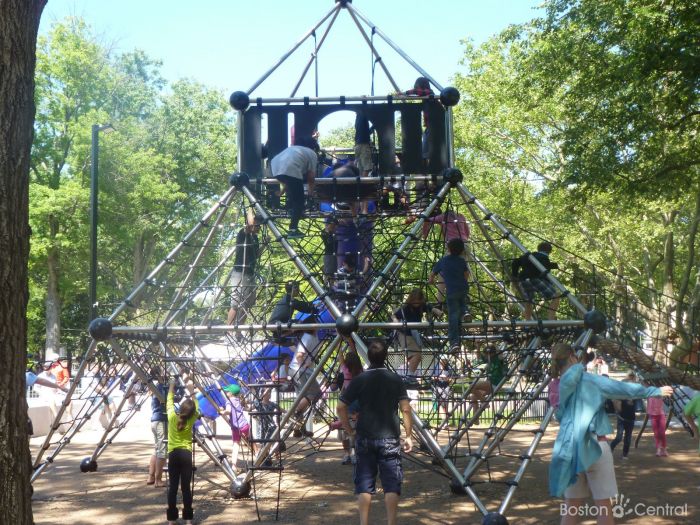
(158, 411)
(582, 418)
(31, 378)
(452, 269)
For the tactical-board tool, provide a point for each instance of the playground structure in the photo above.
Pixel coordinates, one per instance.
(175, 317)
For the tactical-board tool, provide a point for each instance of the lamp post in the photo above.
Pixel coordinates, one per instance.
(94, 153)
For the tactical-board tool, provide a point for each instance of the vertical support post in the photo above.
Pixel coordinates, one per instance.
(94, 150)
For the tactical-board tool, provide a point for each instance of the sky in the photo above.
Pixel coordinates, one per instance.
(230, 45)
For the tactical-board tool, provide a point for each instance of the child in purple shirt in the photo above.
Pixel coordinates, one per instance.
(235, 412)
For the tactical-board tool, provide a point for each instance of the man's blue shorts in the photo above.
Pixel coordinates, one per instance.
(377, 455)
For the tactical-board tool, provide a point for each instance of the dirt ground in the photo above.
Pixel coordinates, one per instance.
(317, 489)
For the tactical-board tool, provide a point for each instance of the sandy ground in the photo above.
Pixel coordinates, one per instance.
(316, 488)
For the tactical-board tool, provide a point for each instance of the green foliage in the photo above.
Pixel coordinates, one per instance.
(626, 73)
(159, 170)
(582, 128)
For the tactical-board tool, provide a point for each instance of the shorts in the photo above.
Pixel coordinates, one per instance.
(243, 293)
(536, 285)
(313, 396)
(363, 157)
(159, 429)
(237, 433)
(599, 480)
(377, 455)
(409, 344)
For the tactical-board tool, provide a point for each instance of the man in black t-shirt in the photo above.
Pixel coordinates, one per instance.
(380, 393)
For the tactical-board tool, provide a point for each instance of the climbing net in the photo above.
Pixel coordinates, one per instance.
(466, 401)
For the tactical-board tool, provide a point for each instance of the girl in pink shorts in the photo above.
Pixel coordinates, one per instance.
(240, 426)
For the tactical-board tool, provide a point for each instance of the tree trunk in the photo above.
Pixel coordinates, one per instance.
(667, 301)
(19, 23)
(53, 299)
(685, 319)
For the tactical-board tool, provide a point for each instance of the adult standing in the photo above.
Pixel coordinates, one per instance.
(380, 393)
(582, 463)
(159, 429)
(292, 167)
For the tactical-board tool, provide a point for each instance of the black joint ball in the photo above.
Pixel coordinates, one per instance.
(457, 488)
(240, 489)
(452, 175)
(100, 329)
(595, 320)
(346, 324)
(343, 3)
(88, 465)
(238, 180)
(494, 518)
(449, 96)
(239, 100)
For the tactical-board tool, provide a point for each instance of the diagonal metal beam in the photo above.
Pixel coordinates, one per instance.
(284, 57)
(377, 58)
(314, 55)
(396, 48)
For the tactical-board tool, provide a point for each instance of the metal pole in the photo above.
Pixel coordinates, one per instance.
(294, 48)
(314, 57)
(92, 292)
(396, 48)
(374, 50)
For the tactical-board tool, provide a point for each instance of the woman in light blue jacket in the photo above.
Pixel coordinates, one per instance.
(582, 464)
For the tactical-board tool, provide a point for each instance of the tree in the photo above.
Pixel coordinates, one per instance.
(167, 160)
(532, 110)
(74, 85)
(627, 75)
(19, 24)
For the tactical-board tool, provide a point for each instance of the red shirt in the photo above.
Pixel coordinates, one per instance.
(61, 373)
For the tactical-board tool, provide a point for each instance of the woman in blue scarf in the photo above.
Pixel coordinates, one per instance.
(582, 464)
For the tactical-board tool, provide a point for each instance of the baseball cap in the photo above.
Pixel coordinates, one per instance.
(232, 389)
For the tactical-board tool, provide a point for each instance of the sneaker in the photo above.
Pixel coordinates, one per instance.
(347, 460)
(664, 453)
(295, 234)
(658, 452)
(625, 458)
